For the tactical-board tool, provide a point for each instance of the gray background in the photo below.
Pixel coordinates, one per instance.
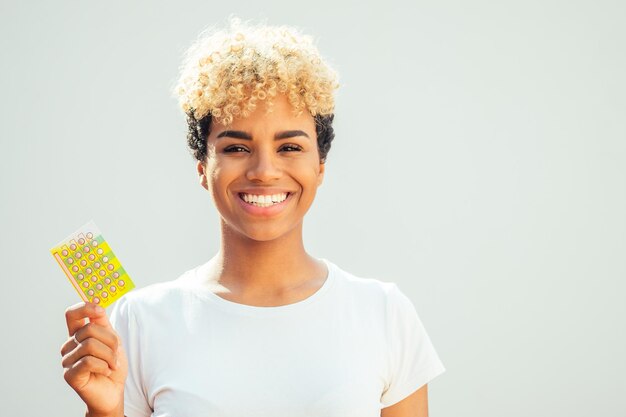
(479, 162)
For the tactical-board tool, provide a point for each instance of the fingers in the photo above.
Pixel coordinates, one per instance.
(68, 346)
(105, 335)
(75, 316)
(92, 346)
(89, 348)
(85, 365)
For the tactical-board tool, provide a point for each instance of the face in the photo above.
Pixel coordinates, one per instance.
(267, 155)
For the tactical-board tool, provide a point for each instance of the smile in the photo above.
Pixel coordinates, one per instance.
(263, 200)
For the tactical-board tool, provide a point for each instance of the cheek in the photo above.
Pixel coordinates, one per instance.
(221, 176)
(216, 176)
(308, 177)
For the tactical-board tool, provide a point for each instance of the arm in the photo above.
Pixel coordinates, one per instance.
(91, 415)
(119, 412)
(415, 405)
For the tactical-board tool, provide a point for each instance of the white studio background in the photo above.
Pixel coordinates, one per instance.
(479, 162)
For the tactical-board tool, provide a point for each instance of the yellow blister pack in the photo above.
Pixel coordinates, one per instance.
(91, 266)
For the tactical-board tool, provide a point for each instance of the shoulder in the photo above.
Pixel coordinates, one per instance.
(157, 295)
(366, 287)
(379, 297)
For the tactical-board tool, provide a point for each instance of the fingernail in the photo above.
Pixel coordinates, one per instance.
(99, 310)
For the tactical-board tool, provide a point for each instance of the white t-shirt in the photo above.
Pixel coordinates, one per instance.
(353, 347)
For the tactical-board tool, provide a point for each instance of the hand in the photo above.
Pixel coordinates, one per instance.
(94, 360)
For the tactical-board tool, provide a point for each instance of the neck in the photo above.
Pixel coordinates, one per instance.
(272, 267)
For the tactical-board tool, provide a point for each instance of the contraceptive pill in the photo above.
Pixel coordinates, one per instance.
(85, 253)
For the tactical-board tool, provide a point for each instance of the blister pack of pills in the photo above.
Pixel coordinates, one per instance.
(92, 267)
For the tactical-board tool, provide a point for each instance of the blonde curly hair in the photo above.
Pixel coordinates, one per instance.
(226, 73)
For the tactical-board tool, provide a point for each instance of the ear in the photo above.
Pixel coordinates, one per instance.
(202, 175)
(320, 176)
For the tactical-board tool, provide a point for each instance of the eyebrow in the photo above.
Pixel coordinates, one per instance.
(238, 134)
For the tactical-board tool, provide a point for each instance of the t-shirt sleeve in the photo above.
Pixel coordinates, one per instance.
(125, 324)
(413, 360)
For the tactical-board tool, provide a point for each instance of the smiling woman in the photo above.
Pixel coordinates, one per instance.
(249, 161)
(262, 328)
(226, 74)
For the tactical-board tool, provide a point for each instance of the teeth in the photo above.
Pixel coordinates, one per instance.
(263, 200)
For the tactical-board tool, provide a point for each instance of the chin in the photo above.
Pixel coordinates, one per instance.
(264, 232)
(266, 238)
(261, 233)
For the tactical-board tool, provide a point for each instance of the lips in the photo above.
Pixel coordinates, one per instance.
(264, 199)
(264, 191)
(268, 211)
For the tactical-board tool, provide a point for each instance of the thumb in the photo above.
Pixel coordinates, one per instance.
(99, 317)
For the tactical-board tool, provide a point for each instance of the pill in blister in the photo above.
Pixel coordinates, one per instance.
(87, 260)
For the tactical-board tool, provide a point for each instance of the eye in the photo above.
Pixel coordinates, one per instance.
(232, 148)
(294, 147)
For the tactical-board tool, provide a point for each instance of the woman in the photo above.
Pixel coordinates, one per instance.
(262, 328)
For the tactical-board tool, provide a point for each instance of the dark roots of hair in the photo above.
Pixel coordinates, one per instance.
(198, 132)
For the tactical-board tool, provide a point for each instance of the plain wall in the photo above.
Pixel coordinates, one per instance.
(479, 162)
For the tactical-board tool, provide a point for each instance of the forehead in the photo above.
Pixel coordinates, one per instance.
(261, 122)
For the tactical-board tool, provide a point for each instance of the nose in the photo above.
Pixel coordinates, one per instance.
(263, 166)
